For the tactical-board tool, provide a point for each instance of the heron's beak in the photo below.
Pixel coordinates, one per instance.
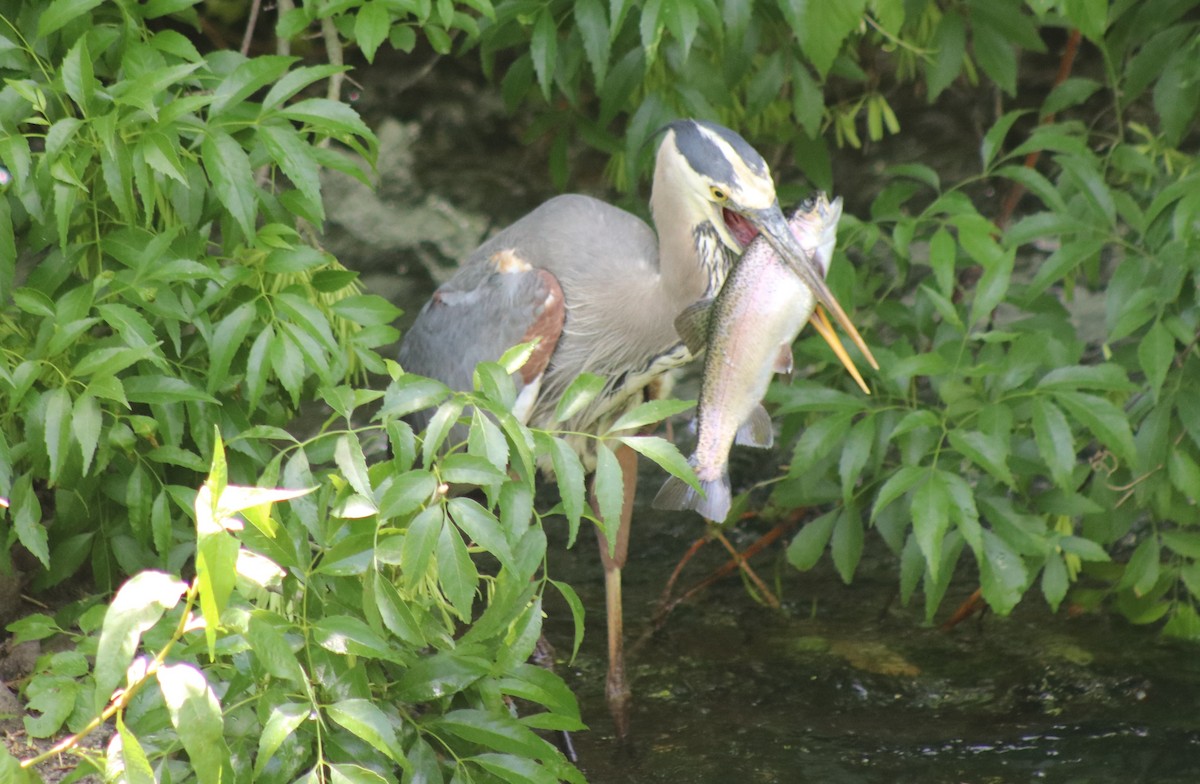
(774, 227)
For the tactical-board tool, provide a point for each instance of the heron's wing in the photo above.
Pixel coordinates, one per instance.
(486, 309)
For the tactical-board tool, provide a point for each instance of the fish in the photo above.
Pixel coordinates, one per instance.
(746, 332)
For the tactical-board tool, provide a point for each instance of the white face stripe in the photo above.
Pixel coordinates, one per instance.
(756, 190)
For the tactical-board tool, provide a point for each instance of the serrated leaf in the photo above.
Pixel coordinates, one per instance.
(444, 419)
(297, 160)
(57, 428)
(482, 527)
(439, 675)
(993, 140)
(419, 541)
(457, 575)
(568, 472)
(989, 452)
(665, 454)
(1002, 574)
(609, 488)
(578, 395)
(1107, 423)
(949, 45)
(650, 412)
(592, 24)
(60, 12)
(846, 544)
(897, 485)
(855, 453)
(931, 519)
(272, 650)
(1055, 442)
(808, 545)
(229, 169)
(543, 47)
(1156, 352)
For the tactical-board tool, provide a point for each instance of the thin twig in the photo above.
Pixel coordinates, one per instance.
(251, 23)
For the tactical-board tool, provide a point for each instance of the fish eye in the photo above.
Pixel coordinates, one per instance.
(717, 193)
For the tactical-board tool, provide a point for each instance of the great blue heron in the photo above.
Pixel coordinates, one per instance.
(602, 292)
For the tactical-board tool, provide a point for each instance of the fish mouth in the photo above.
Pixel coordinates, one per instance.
(773, 226)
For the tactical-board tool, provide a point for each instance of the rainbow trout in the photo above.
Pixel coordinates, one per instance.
(748, 330)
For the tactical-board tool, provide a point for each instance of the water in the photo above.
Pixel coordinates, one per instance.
(845, 686)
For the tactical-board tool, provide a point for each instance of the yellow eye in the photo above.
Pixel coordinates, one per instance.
(717, 193)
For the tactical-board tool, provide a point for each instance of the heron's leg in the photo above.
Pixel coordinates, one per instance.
(616, 687)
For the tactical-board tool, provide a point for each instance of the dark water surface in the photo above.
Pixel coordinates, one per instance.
(844, 685)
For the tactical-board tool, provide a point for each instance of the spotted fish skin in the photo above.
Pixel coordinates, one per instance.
(748, 327)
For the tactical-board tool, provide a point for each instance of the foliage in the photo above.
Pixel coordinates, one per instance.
(995, 427)
(324, 640)
(164, 281)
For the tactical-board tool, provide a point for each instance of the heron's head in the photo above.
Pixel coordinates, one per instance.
(713, 177)
(716, 178)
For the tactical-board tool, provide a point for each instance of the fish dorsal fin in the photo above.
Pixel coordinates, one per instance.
(692, 324)
(757, 430)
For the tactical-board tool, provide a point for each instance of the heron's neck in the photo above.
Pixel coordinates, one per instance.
(692, 259)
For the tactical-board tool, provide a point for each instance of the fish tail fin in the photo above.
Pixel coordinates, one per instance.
(713, 503)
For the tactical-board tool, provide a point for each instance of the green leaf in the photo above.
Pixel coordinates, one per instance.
(931, 519)
(138, 606)
(577, 613)
(284, 720)
(348, 455)
(897, 485)
(808, 545)
(578, 395)
(411, 393)
(439, 428)
(134, 764)
(366, 309)
(824, 26)
(247, 78)
(1107, 423)
(471, 470)
(329, 117)
(1002, 574)
(568, 472)
(60, 12)
(989, 452)
(993, 140)
(57, 430)
(609, 487)
(665, 454)
(348, 636)
(1055, 581)
(196, 715)
(440, 675)
(650, 412)
(1090, 16)
(1141, 573)
(1085, 173)
(482, 527)
(369, 723)
(486, 440)
(295, 159)
(271, 648)
(419, 540)
(1107, 376)
(543, 47)
(995, 53)
(846, 546)
(1156, 352)
(592, 24)
(493, 730)
(226, 340)
(153, 388)
(229, 169)
(514, 769)
(1055, 442)
(27, 519)
(950, 47)
(407, 493)
(456, 572)
(371, 25)
(855, 453)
